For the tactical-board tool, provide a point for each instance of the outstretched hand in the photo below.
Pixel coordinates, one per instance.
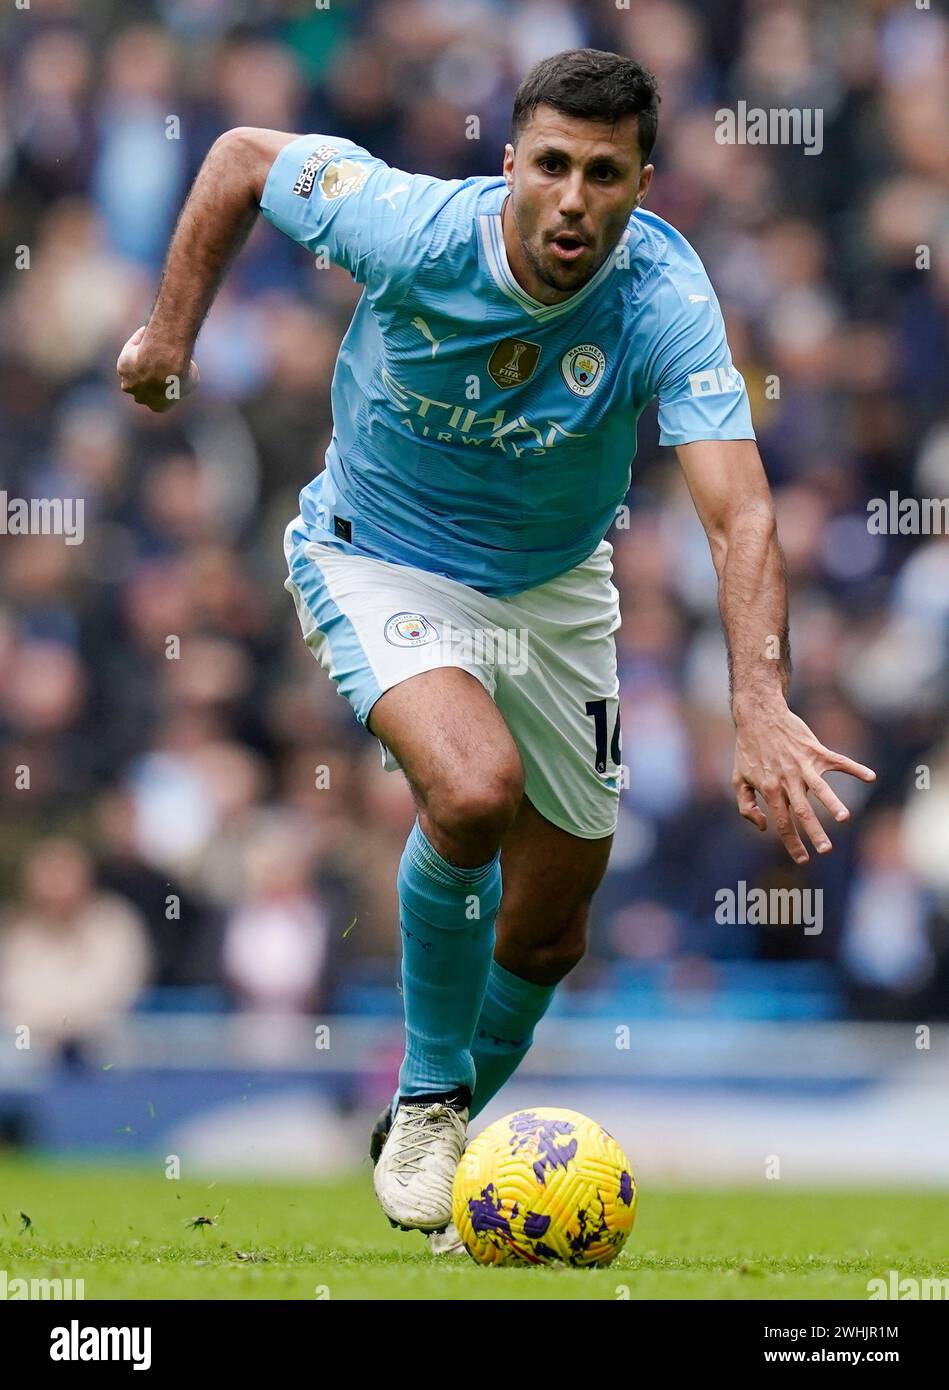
(779, 758)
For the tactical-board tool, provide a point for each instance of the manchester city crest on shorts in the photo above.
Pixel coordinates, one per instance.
(409, 630)
(582, 368)
(513, 362)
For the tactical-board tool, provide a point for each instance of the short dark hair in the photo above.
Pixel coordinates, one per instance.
(593, 85)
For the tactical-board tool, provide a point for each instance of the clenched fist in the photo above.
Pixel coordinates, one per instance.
(151, 377)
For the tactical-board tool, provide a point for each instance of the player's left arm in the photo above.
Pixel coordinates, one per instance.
(776, 755)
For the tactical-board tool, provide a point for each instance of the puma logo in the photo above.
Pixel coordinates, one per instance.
(391, 193)
(427, 333)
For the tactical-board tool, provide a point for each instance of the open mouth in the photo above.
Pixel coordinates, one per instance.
(568, 246)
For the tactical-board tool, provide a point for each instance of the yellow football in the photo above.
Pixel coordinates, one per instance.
(541, 1187)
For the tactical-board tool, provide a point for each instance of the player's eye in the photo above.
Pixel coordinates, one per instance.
(550, 159)
(603, 173)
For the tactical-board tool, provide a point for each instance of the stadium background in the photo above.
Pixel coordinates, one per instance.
(182, 905)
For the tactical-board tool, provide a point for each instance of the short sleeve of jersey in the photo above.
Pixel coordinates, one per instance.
(701, 394)
(333, 196)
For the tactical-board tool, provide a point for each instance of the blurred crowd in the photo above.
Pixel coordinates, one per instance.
(185, 800)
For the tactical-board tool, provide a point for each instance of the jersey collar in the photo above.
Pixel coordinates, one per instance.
(492, 240)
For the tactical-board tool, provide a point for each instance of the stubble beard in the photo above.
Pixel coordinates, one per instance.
(556, 277)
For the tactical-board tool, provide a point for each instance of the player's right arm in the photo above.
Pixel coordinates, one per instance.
(327, 193)
(155, 366)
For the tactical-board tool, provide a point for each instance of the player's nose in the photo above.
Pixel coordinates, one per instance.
(572, 197)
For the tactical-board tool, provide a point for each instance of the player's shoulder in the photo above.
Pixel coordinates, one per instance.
(452, 218)
(460, 206)
(669, 271)
(329, 169)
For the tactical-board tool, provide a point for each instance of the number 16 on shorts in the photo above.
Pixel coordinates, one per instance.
(596, 709)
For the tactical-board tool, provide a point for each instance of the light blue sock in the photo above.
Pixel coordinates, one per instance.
(447, 917)
(512, 1008)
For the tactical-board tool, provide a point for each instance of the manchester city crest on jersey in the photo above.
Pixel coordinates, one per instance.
(342, 177)
(582, 368)
(409, 630)
(513, 362)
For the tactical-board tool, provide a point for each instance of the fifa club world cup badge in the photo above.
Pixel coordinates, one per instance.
(513, 362)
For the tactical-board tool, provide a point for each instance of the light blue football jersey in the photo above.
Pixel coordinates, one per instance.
(477, 433)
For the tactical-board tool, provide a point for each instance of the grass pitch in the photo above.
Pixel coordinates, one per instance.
(132, 1233)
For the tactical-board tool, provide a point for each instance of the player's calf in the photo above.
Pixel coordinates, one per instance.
(549, 881)
(467, 777)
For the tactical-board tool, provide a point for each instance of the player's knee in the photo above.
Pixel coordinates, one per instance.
(549, 960)
(479, 806)
(555, 962)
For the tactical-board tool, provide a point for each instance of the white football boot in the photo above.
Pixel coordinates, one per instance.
(446, 1242)
(416, 1167)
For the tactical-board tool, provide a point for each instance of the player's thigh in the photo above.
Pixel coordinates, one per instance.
(561, 704)
(386, 635)
(451, 741)
(550, 877)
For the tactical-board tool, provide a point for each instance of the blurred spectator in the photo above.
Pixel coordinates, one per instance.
(886, 949)
(276, 942)
(71, 956)
(183, 927)
(139, 172)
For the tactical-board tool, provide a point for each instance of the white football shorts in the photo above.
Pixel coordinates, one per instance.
(547, 657)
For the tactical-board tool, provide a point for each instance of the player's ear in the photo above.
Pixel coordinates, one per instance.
(507, 168)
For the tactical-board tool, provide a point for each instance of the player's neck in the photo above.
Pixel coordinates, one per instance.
(521, 268)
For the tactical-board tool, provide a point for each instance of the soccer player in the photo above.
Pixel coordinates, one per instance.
(449, 566)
